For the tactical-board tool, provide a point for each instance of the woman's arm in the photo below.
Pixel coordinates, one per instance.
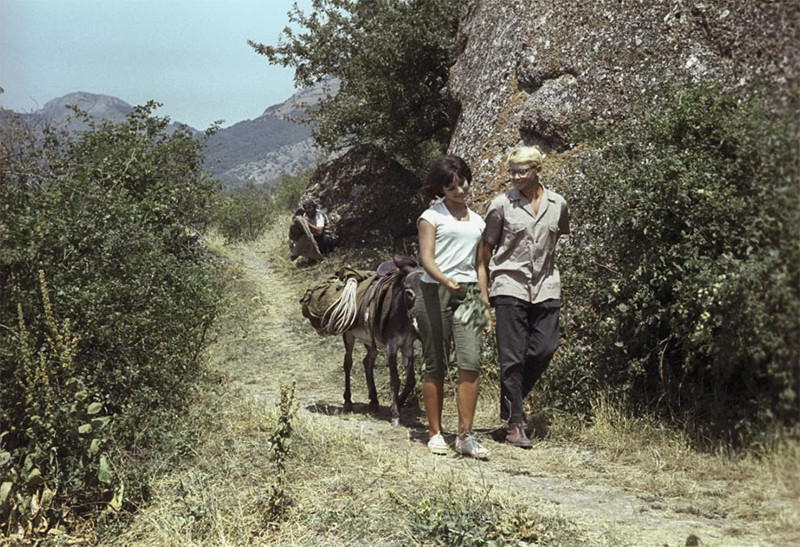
(482, 257)
(427, 248)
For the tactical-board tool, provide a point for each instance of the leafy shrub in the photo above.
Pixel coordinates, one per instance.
(684, 266)
(280, 441)
(289, 189)
(243, 213)
(112, 217)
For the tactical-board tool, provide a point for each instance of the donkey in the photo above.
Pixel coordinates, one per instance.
(376, 310)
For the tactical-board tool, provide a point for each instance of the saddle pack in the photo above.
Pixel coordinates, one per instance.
(331, 306)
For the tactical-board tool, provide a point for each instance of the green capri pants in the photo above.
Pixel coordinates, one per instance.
(434, 313)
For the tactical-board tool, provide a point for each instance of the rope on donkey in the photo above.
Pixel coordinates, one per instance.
(341, 314)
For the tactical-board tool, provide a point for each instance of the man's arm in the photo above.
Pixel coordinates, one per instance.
(313, 227)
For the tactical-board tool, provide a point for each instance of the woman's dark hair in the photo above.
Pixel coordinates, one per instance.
(442, 173)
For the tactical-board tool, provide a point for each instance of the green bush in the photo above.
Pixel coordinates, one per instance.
(684, 266)
(289, 189)
(111, 218)
(243, 213)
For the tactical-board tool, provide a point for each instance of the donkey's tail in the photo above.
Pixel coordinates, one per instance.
(341, 315)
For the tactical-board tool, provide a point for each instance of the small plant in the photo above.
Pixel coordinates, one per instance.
(472, 311)
(279, 444)
(57, 440)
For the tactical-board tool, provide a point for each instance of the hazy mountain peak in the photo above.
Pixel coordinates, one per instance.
(100, 107)
(307, 97)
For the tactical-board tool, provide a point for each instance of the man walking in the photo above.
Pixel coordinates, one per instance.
(523, 225)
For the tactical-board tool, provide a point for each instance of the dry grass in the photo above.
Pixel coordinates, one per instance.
(355, 480)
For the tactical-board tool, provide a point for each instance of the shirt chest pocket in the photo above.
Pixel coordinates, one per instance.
(514, 245)
(551, 236)
(518, 237)
(545, 237)
(517, 229)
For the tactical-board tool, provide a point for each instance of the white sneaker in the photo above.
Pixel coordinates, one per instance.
(469, 446)
(437, 445)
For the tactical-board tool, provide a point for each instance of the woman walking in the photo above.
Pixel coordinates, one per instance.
(451, 252)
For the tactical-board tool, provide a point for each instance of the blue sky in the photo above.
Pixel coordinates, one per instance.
(190, 55)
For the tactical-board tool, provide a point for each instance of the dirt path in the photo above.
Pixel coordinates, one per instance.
(611, 500)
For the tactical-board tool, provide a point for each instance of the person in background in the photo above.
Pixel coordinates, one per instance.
(310, 233)
(523, 225)
(451, 255)
(319, 225)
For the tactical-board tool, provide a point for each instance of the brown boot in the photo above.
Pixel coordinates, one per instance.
(516, 436)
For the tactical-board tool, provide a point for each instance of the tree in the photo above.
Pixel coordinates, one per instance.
(391, 58)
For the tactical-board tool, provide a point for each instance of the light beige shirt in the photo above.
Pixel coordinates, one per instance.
(523, 264)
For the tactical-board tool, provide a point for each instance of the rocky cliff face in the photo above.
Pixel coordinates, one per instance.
(374, 199)
(532, 71)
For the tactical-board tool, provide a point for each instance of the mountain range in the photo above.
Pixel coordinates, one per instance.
(258, 150)
(276, 142)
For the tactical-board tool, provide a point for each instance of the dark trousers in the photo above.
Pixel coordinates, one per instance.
(325, 243)
(527, 338)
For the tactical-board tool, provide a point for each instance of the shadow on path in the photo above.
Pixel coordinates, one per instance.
(409, 415)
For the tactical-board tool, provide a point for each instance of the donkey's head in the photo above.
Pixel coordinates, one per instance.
(412, 272)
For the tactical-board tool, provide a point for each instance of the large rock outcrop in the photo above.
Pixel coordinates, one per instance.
(533, 71)
(375, 199)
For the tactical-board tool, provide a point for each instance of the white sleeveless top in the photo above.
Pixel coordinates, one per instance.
(456, 243)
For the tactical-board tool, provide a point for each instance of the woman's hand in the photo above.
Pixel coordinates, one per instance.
(451, 285)
(489, 321)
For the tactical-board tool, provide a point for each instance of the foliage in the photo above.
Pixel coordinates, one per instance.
(110, 216)
(391, 59)
(279, 443)
(472, 311)
(467, 518)
(63, 448)
(245, 212)
(289, 189)
(684, 265)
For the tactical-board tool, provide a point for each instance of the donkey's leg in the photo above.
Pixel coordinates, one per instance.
(349, 340)
(394, 379)
(411, 379)
(369, 371)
